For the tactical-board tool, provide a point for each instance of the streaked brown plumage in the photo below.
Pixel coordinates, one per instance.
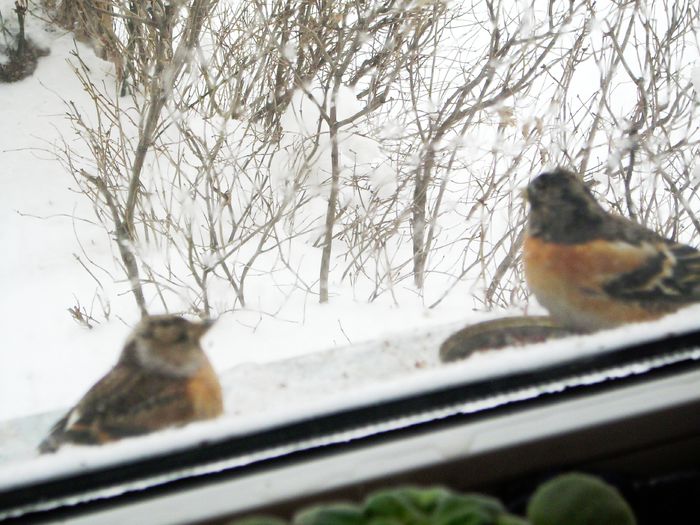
(163, 378)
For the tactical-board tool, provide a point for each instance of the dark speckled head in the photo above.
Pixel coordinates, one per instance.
(167, 344)
(171, 329)
(562, 209)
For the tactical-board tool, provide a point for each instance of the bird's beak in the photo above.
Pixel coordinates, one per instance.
(523, 193)
(201, 328)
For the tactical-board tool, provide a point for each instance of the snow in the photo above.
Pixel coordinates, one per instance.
(49, 360)
(283, 358)
(260, 396)
(695, 78)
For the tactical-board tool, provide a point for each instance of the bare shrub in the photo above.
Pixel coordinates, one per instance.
(388, 139)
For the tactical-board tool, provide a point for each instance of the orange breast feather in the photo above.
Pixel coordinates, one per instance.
(204, 392)
(568, 280)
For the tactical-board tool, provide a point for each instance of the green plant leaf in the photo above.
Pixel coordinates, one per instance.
(336, 514)
(510, 519)
(578, 499)
(433, 506)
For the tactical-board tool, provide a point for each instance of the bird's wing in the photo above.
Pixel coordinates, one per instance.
(51, 442)
(125, 402)
(670, 274)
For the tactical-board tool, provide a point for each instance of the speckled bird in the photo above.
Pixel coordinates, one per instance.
(163, 378)
(592, 269)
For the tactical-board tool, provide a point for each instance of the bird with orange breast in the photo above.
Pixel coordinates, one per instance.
(162, 379)
(592, 269)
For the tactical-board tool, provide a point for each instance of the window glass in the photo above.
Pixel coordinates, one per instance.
(319, 195)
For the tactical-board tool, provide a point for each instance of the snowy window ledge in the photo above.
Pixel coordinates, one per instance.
(487, 385)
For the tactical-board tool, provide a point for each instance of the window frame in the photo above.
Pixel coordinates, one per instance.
(462, 407)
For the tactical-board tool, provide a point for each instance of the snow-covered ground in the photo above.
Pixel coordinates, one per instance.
(258, 396)
(47, 359)
(274, 364)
